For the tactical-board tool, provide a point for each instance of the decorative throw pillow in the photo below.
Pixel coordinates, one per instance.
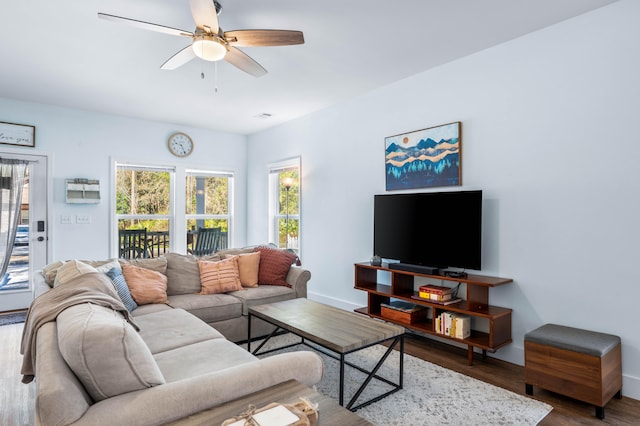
(105, 352)
(158, 264)
(219, 277)
(146, 286)
(103, 265)
(183, 274)
(116, 277)
(248, 266)
(274, 266)
(50, 271)
(70, 270)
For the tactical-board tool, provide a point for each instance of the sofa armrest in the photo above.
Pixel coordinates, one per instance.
(297, 278)
(182, 398)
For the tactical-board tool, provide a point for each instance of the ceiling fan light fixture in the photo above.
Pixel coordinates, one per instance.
(208, 49)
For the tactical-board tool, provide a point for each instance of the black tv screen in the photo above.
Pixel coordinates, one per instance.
(437, 229)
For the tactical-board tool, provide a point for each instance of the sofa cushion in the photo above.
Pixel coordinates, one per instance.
(248, 267)
(183, 274)
(201, 358)
(158, 264)
(70, 270)
(60, 397)
(274, 266)
(116, 277)
(234, 251)
(219, 277)
(105, 352)
(261, 295)
(208, 307)
(146, 286)
(166, 330)
(103, 265)
(150, 309)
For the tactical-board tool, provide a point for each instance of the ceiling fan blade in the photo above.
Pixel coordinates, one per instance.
(264, 37)
(179, 59)
(145, 25)
(244, 62)
(204, 14)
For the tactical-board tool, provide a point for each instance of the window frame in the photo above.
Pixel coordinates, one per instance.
(274, 171)
(116, 217)
(230, 200)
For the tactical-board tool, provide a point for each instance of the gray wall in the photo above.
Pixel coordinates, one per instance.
(83, 144)
(549, 134)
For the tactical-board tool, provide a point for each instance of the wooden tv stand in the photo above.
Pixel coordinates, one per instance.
(475, 304)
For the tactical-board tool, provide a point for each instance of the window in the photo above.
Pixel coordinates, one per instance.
(284, 205)
(144, 201)
(208, 204)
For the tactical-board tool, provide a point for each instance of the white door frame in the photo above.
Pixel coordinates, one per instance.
(39, 194)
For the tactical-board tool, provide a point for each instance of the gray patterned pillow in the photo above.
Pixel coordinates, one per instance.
(116, 277)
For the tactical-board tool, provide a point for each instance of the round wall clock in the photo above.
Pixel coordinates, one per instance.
(180, 144)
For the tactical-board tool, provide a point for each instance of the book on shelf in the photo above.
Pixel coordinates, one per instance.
(435, 296)
(453, 324)
(437, 302)
(435, 289)
(402, 306)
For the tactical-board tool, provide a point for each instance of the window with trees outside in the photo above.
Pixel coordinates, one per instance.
(284, 205)
(143, 202)
(208, 205)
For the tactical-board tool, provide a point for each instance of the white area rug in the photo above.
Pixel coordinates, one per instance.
(431, 395)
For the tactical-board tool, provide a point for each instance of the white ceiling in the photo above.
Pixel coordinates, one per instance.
(59, 52)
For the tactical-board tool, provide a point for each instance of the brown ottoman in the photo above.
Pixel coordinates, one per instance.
(577, 363)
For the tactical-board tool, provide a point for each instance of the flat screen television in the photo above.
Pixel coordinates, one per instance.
(434, 229)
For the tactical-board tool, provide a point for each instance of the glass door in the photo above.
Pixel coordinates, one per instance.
(29, 248)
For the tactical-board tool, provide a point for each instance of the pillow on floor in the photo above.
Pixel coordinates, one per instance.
(248, 267)
(274, 266)
(219, 277)
(116, 277)
(146, 286)
(105, 352)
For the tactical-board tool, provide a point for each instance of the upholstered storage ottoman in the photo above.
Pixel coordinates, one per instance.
(577, 363)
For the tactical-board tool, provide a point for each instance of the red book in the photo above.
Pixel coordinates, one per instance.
(435, 289)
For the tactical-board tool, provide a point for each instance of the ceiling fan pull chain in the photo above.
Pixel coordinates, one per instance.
(215, 89)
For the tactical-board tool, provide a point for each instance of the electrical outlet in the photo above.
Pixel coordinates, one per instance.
(83, 220)
(66, 219)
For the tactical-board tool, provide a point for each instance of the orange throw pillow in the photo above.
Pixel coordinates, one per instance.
(219, 277)
(248, 267)
(146, 286)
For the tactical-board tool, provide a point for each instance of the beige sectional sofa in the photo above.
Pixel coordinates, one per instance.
(97, 363)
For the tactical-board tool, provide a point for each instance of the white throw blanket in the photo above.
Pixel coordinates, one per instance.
(94, 287)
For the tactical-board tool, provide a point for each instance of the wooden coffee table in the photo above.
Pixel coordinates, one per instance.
(329, 412)
(337, 330)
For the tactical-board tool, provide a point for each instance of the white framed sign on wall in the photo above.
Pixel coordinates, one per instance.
(17, 134)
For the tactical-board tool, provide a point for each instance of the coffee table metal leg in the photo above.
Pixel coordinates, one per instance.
(372, 374)
(249, 333)
(341, 397)
(401, 381)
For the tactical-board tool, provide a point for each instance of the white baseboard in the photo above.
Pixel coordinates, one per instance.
(510, 353)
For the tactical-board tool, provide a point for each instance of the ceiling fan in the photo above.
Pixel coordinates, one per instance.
(211, 43)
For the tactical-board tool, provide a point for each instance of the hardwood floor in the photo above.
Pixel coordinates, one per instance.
(17, 399)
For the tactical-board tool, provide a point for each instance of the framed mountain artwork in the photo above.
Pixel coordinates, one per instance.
(424, 158)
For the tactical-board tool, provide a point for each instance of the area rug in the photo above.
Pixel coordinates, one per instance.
(432, 395)
(12, 318)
